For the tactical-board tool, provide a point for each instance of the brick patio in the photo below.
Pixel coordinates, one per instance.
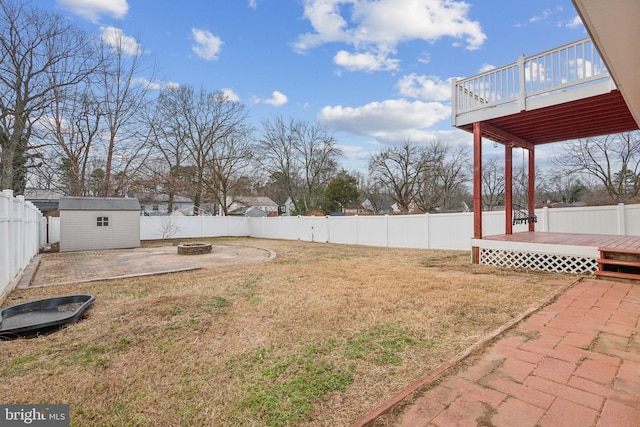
(574, 362)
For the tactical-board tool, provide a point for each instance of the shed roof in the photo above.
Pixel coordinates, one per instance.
(98, 204)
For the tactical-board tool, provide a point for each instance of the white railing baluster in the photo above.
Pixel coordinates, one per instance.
(559, 69)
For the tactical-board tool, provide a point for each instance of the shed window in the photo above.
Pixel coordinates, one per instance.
(103, 221)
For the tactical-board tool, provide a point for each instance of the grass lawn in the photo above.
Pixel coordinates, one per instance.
(316, 337)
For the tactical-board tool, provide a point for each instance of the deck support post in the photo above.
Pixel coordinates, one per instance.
(508, 188)
(531, 205)
(477, 189)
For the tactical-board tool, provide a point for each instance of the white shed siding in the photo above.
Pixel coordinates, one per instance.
(79, 230)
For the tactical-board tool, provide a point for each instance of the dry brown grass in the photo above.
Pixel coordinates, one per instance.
(219, 346)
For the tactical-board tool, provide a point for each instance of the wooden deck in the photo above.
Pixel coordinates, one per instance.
(630, 243)
(562, 252)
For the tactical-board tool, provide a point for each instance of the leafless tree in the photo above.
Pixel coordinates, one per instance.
(613, 160)
(168, 139)
(277, 155)
(318, 156)
(301, 157)
(202, 121)
(68, 132)
(126, 140)
(444, 177)
(399, 171)
(492, 184)
(39, 54)
(232, 157)
(371, 193)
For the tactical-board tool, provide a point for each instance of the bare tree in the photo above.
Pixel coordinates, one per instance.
(277, 155)
(34, 47)
(168, 139)
(443, 178)
(202, 121)
(301, 157)
(399, 171)
(69, 132)
(122, 99)
(492, 184)
(318, 157)
(614, 160)
(232, 156)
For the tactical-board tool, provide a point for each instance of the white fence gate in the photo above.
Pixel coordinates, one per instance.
(22, 234)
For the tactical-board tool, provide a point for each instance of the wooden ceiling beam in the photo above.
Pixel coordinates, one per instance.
(503, 137)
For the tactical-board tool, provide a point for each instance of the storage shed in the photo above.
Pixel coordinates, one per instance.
(90, 223)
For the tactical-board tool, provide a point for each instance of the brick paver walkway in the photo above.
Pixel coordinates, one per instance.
(575, 362)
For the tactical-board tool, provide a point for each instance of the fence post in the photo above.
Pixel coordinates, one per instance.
(426, 231)
(622, 226)
(386, 229)
(5, 243)
(23, 259)
(545, 219)
(355, 227)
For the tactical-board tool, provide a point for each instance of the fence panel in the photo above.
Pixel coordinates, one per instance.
(20, 238)
(434, 231)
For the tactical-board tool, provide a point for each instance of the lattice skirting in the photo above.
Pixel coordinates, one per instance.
(538, 261)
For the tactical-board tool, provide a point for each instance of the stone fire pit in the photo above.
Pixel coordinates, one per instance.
(194, 249)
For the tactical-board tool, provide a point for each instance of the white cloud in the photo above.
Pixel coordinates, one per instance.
(576, 22)
(277, 99)
(230, 95)
(155, 85)
(386, 120)
(253, 4)
(376, 26)
(486, 67)
(93, 9)
(545, 14)
(207, 46)
(425, 87)
(367, 61)
(115, 38)
(354, 152)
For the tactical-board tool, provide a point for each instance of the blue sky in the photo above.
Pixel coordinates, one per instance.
(372, 72)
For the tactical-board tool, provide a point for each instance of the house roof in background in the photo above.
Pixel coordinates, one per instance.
(98, 204)
(161, 198)
(42, 194)
(254, 201)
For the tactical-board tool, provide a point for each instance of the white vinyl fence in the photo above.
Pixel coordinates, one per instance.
(23, 229)
(426, 231)
(22, 234)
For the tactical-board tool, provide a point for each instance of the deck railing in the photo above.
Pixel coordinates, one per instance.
(574, 64)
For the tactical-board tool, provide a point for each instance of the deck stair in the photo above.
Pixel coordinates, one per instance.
(619, 263)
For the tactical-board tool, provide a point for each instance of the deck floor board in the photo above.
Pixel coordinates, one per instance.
(571, 239)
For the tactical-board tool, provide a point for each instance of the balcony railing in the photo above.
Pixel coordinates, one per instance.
(571, 66)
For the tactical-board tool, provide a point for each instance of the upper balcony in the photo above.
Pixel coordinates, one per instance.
(561, 94)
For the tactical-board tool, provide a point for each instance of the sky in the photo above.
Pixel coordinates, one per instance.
(373, 72)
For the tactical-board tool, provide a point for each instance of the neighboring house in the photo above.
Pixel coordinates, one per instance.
(268, 206)
(354, 209)
(251, 211)
(91, 223)
(158, 204)
(44, 199)
(380, 207)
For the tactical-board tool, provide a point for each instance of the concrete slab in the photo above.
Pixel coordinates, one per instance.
(77, 267)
